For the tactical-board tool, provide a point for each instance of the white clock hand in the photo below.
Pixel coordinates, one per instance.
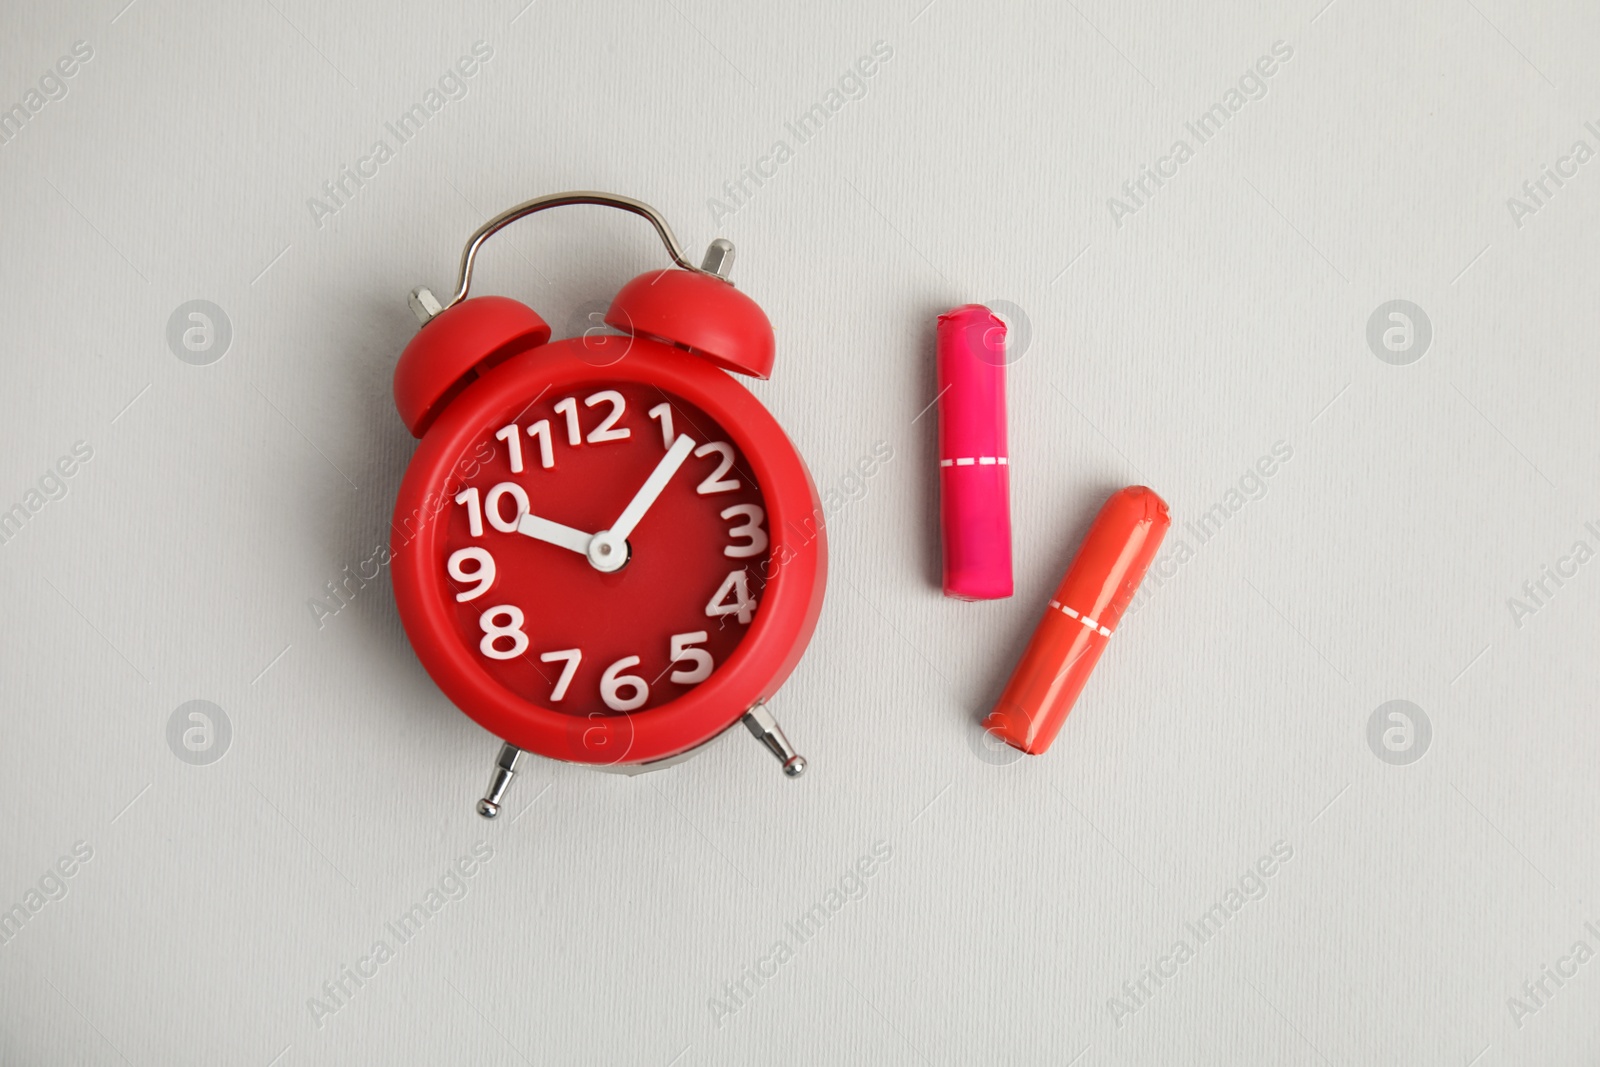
(606, 550)
(554, 533)
(652, 487)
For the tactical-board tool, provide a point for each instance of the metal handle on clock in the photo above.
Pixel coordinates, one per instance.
(718, 259)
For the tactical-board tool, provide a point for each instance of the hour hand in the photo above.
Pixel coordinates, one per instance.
(554, 533)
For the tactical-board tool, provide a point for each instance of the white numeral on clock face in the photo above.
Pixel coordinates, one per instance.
(715, 481)
(663, 411)
(511, 630)
(737, 586)
(469, 498)
(541, 431)
(508, 434)
(491, 506)
(483, 573)
(683, 650)
(572, 657)
(607, 430)
(613, 683)
(751, 528)
(569, 408)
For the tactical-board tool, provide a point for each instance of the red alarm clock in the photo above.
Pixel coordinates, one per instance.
(605, 549)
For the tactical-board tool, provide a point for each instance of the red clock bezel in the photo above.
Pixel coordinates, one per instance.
(791, 598)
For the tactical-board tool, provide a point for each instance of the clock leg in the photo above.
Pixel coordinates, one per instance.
(505, 769)
(759, 721)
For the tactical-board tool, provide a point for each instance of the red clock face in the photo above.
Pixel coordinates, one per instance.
(606, 550)
(609, 552)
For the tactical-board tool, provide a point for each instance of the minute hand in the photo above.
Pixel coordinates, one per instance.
(651, 488)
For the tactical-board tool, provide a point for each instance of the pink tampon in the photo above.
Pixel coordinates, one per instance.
(974, 469)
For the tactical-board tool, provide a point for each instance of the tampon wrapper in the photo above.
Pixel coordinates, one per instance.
(974, 466)
(1080, 619)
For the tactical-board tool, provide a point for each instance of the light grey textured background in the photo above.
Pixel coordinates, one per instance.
(1173, 344)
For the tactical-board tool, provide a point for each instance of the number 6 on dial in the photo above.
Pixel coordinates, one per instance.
(612, 684)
